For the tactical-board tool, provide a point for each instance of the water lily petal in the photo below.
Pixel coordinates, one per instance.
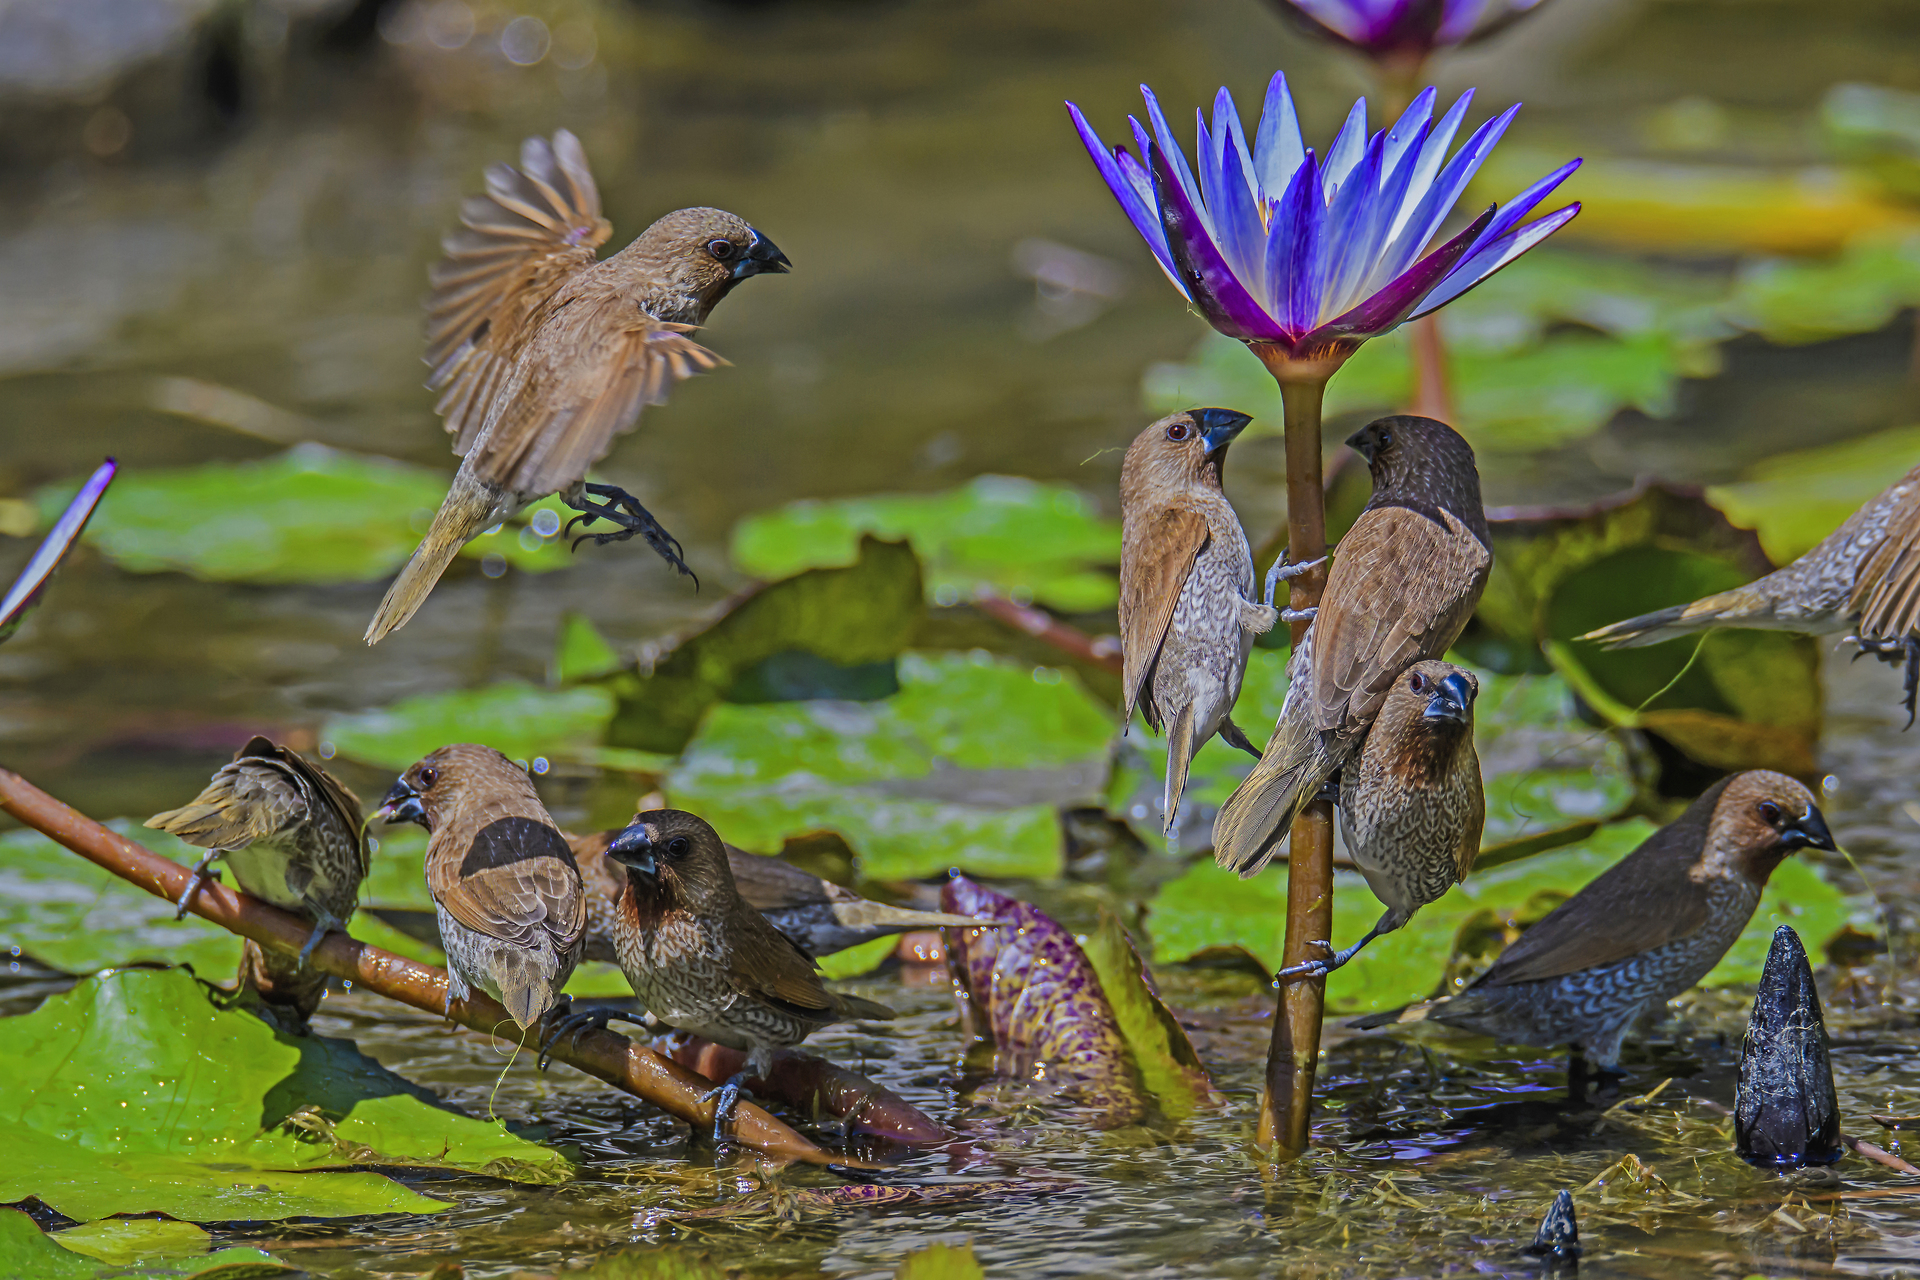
(1355, 244)
(1493, 257)
(1409, 130)
(1393, 304)
(1210, 282)
(1348, 146)
(1278, 151)
(1513, 211)
(1127, 189)
(1293, 251)
(1236, 217)
(1175, 158)
(1432, 153)
(1440, 197)
(1226, 128)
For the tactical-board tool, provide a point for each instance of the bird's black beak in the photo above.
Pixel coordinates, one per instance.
(1218, 427)
(1452, 700)
(633, 848)
(402, 804)
(1809, 832)
(1364, 443)
(762, 256)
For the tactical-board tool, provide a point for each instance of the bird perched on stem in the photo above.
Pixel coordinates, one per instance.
(294, 837)
(512, 910)
(546, 354)
(1404, 582)
(703, 961)
(1644, 930)
(1864, 577)
(1187, 612)
(1411, 807)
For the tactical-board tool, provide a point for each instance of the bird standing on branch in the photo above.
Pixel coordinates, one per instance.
(1864, 577)
(1404, 582)
(1188, 614)
(512, 910)
(547, 354)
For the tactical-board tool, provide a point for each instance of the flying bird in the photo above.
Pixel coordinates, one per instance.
(546, 354)
(1188, 614)
(1644, 930)
(1404, 582)
(703, 961)
(294, 837)
(1864, 578)
(512, 910)
(1411, 807)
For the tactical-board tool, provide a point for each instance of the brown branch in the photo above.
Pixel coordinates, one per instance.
(1101, 651)
(815, 1084)
(1879, 1155)
(610, 1057)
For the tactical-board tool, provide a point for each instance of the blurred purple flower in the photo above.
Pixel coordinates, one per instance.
(1406, 29)
(1310, 256)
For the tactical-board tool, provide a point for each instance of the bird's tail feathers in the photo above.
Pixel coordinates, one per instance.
(1179, 757)
(1253, 824)
(526, 986)
(1729, 607)
(854, 1009)
(1416, 1012)
(469, 508)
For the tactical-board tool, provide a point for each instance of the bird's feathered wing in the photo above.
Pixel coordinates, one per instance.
(509, 875)
(1160, 552)
(1886, 594)
(265, 788)
(771, 967)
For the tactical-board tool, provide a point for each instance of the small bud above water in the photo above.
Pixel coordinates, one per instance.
(1558, 1239)
(1786, 1115)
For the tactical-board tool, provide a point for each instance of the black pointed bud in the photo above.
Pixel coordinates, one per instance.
(1558, 1239)
(1786, 1115)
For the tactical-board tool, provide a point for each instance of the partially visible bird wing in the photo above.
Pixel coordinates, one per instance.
(535, 227)
(1403, 585)
(342, 805)
(1159, 557)
(771, 884)
(514, 881)
(252, 798)
(1886, 595)
(770, 966)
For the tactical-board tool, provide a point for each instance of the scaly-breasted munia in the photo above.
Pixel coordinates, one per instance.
(1411, 807)
(547, 354)
(1864, 577)
(819, 915)
(702, 961)
(512, 910)
(1404, 582)
(293, 836)
(1188, 614)
(1644, 930)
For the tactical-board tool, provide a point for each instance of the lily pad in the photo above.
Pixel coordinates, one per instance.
(1792, 301)
(941, 1262)
(964, 767)
(1017, 537)
(136, 1093)
(820, 633)
(520, 721)
(1168, 1065)
(98, 1250)
(1794, 500)
(311, 514)
(1877, 128)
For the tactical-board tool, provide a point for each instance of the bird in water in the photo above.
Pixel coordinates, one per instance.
(1411, 807)
(1644, 930)
(1188, 614)
(1864, 578)
(704, 962)
(512, 910)
(1404, 581)
(294, 837)
(546, 354)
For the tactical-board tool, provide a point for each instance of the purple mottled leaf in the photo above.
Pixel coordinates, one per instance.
(1210, 283)
(53, 548)
(1394, 303)
(1029, 989)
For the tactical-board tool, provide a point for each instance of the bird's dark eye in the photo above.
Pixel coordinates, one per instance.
(1770, 813)
(1386, 439)
(1417, 683)
(678, 846)
(427, 778)
(720, 249)
(1179, 431)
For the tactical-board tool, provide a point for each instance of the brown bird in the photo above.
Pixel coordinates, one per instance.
(512, 910)
(1411, 807)
(1644, 930)
(820, 916)
(703, 961)
(546, 354)
(1865, 577)
(1187, 612)
(1404, 582)
(294, 837)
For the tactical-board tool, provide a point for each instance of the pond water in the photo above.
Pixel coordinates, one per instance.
(908, 157)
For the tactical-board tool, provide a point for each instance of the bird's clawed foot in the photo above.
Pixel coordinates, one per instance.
(1298, 615)
(201, 874)
(565, 1023)
(726, 1105)
(623, 509)
(1905, 650)
(325, 922)
(1281, 569)
(1334, 959)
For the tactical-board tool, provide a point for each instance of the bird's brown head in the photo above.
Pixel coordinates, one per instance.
(1421, 462)
(437, 782)
(692, 258)
(1427, 713)
(1180, 451)
(676, 859)
(1760, 818)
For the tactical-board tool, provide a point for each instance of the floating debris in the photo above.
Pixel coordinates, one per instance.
(1558, 1239)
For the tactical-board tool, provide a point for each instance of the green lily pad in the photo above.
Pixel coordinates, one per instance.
(964, 767)
(311, 514)
(655, 1264)
(1017, 537)
(1794, 500)
(1790, 300)
(941, 1262)
(520, 721)
(99, 1250)
(136, 1093)
(1168, 1065)
(820, 633)
(1877, 128)
(861, 958)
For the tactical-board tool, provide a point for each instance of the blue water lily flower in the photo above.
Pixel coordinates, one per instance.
(1307, 257)
(1407, 29)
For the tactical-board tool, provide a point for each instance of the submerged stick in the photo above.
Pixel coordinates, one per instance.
(603, 1054)
(1101, 651)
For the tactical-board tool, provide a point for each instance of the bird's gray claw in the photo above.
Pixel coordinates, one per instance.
(728, 1103)
(1312, 968)
(202, 872)
(623, 509)
(1298, 615)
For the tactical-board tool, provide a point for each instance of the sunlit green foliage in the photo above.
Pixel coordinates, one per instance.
(108, 1249)
(520, 721)
(1795, 499)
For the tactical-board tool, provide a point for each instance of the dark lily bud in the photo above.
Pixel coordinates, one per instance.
(1558, 1239)
(1786, 1115)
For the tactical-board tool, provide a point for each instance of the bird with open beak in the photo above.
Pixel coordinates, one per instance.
(293, 836)
(1404, 582)
(547, 354)
(704, 962)
(512, 910)
(1188, 614)
(1644, 930)
(1411, 807)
